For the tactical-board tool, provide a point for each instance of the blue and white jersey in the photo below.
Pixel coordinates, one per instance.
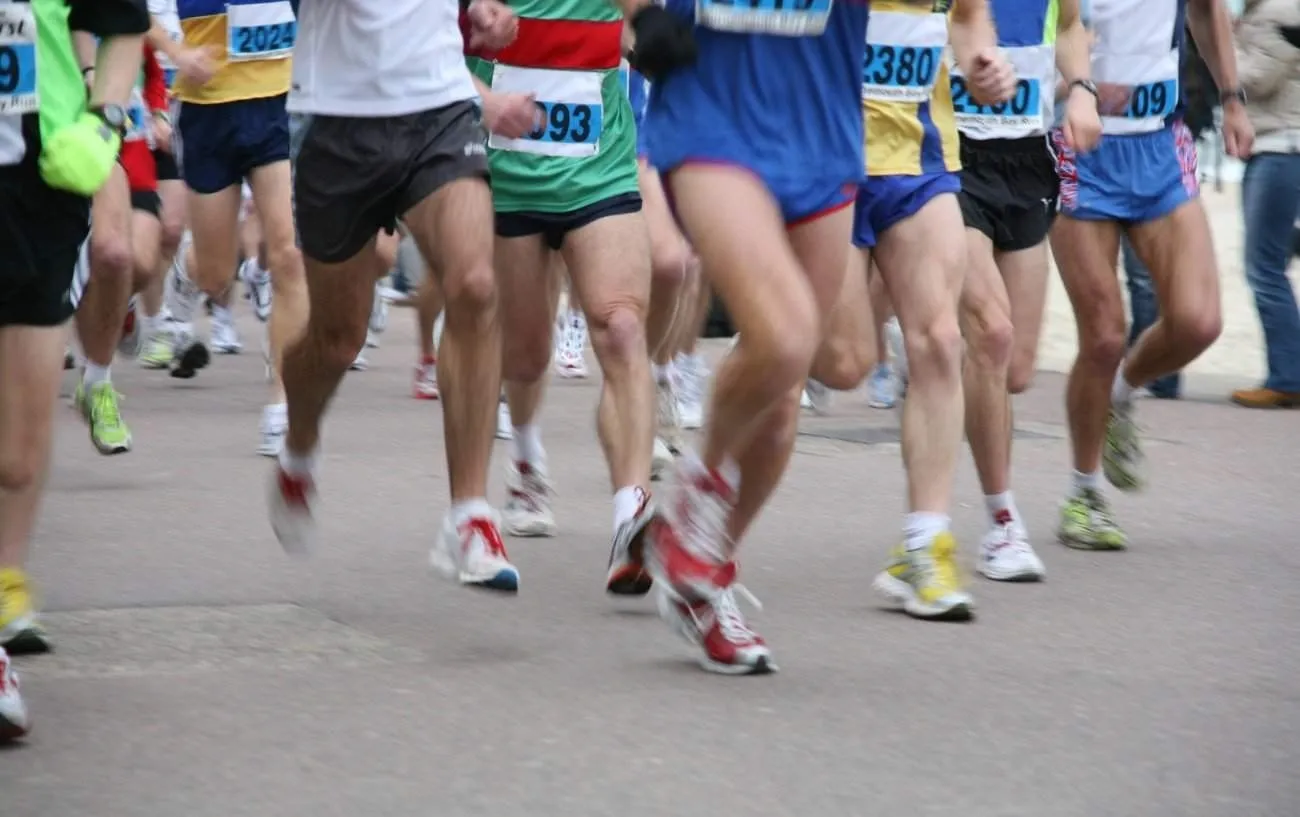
(1136, 61)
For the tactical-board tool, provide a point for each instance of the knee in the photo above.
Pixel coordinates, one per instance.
(337, 341)
(934, 349)
(526, 350)
(111, 256)
(617, 331)
(989, 341)
(668, 266)
(173, 227)
(472, 292)
(21, 468)
(1102, 343)
(779, 426)
(843, 364)
(285, 262)
(1197, 329)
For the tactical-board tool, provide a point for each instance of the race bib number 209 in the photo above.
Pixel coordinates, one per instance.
(18, 93)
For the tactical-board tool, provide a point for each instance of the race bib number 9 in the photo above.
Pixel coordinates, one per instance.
(260, 31)
(17, 59)
(788, 18)
(570, 107)
(900, 73)
(1023, 111)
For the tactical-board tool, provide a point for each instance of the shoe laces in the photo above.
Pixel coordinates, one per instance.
(105, 406)
(1098, 508)
(486, 532)
(534, 488)
(933, 570)
(726, 612)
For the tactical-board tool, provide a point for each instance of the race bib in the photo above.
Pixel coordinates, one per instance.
(18, 93)
(1135, 93)
(137, 124)
(786, 18)
(904, 55)
(570, 105)
(1027, 113)
(260, 30)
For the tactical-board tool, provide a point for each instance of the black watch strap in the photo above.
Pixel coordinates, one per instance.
(1086, 84)
(1229, 94)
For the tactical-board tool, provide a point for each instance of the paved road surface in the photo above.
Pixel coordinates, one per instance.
(200, 673)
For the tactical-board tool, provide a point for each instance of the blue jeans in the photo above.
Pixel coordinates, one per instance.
(1145, 310)
(1270, 199)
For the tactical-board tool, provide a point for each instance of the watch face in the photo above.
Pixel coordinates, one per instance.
(114, 116)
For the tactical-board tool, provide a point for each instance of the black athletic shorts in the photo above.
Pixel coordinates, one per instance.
(1009, 189)
(167, 169)
(354, 177)
(553, 227)
(146, 201)
(41, 233)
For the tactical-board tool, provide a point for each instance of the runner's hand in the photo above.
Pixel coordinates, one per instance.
(1082, 125)
(162, 134)
(992, 80)
(493, 25)
(1238, 133)
(79, 157)
(513, 116)
(198, 65)
(663, 41)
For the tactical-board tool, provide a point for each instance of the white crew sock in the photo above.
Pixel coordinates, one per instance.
(626, 503)
(463, 510)
(526, 446)
(1121, 392)
(1000, 507)
(94, 374)
(921, 527)
(1080, 482)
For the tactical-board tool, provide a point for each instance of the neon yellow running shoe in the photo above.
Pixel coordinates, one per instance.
(926, 582)
(1088, 524)
(158, 351)
(98, 405)
(20, 632)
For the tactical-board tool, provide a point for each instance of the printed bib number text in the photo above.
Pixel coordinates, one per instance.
(260, 31)
(900, 73)
(570, 107)
(789, 18)
(18, 93)
(1023, 110)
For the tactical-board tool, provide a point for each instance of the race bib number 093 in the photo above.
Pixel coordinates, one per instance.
(570, 107)
(789, 18)
(18, 93)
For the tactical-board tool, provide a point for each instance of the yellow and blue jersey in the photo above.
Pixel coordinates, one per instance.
(251, 40)
(906, 94)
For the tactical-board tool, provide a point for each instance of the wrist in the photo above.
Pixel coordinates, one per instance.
(1085, 85)
(1230, 97)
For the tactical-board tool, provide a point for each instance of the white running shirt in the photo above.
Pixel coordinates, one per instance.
(372, 58)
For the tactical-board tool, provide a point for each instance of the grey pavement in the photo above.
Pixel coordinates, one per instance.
(201, 672)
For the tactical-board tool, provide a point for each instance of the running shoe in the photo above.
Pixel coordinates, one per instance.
(360, 363)
(528, 501)
(289, 501)
(99, 407)
(271, 431)
(1005, 554)
(1122, 460)
(505, 429)
(898, 357)
(816, 396)
(425, 385)
(473, 554)
(132, 340)
(668, 413)
(880, 387)
(20, 629)
(661, 459)
(191, 354)
(257, 281)
(626, 574)
(15, 722)
(1087, 523)
(692, 381)
(225, 338)
(718, 629)
(571, 344)
(159, 349)
(378, 319)
(926, 582)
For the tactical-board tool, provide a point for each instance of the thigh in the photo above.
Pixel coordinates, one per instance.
(923, 260)
(665, 236)
(1024, 274)
(346, 182)
(214, 220)
(453, 229)
(984, 296)
(110, 212)
(450, 144)
(1086, 253)
(1178, 252)
(146, 239)
(273, 200)
(609, 261)
(524, 288)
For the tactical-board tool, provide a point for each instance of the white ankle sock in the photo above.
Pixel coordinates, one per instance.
(997, 504)
(527, 444)
(463, 510)
(921, 527)
(626, 502)
(297, 465)
(94, 374)
(1121, 392)
(1080, 482)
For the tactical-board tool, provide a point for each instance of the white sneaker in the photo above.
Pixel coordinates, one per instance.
(473, 554)
(289, 501)
(14, 720)
(898, 357)
(180, 294)
(133, 337)
(225, 338)
(816, 396)
(692, 381)
(528, 501)
(360, 364)
(378, 319)
(258, 283)
(1006, 555)
(668, 415)
(880, 387)
(571, 345)
(505, 430)
(275, 424)
(662, 459)
(425, 384)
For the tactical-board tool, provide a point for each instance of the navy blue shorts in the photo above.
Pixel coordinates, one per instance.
(224, 142)
(883, 201)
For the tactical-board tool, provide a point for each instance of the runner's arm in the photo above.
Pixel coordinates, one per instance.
(971, 32)
(120, 26)
(1211, 27)
(1073, 59)
(161, 40)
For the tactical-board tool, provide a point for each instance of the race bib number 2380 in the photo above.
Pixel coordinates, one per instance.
(17, 59)
(260, 30)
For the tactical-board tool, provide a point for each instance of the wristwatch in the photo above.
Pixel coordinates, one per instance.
(114, 116)
(163, 116)
(1238, 94)
(1086, 84)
